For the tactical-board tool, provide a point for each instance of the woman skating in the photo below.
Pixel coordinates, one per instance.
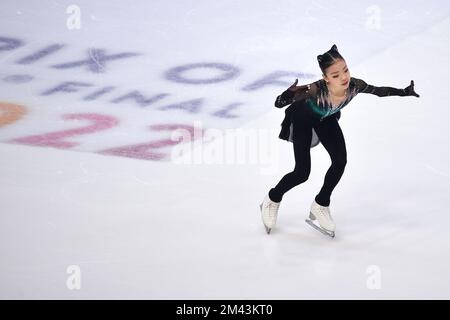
(313, 116)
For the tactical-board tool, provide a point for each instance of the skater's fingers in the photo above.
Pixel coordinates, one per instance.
(294, 86)
(412, 89)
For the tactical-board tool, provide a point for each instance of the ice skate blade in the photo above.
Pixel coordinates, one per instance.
(325, 232)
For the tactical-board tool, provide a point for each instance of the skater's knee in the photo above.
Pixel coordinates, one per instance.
(340, 161)
(301, 174)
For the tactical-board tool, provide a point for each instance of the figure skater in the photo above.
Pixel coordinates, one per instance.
(312, 117)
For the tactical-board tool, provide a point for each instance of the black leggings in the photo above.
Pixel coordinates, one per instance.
(331, 137)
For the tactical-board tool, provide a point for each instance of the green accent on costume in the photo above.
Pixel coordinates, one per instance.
(315, 108)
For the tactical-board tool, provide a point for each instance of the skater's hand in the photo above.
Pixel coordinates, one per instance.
(410, 90)
(294, 87)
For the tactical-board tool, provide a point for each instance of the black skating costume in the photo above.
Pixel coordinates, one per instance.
(310, 118)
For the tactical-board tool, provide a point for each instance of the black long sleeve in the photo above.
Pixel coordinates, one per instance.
(379, 91)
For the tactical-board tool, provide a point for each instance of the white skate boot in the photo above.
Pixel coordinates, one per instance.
(269, 213)
(322, 214)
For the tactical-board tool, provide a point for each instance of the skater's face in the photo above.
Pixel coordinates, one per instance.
(338, 75)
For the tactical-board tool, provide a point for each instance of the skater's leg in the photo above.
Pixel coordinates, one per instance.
(331, 137)
(302, 134)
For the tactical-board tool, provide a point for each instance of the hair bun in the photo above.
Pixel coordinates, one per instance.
(328, 58)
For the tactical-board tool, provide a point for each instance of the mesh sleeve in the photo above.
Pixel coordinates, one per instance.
(363, 87)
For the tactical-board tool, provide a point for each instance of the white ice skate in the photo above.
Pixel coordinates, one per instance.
(323, 216)
(269, 213)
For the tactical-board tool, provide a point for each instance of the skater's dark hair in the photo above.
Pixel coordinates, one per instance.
(329, 58)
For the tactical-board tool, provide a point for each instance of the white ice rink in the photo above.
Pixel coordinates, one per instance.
(93, 195)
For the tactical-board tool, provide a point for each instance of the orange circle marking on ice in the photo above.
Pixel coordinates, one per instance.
(10, 113)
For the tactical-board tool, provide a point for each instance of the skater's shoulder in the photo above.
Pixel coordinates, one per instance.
(357, 81)
(315, 86)
(318, 83)
(307, 90)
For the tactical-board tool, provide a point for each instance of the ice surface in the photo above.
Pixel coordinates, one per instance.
(106, 196)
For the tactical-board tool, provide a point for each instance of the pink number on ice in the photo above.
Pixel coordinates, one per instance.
(55, 139)
(144, 150)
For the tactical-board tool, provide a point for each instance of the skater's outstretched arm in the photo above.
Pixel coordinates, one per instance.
(293, 93)
(363, 87)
